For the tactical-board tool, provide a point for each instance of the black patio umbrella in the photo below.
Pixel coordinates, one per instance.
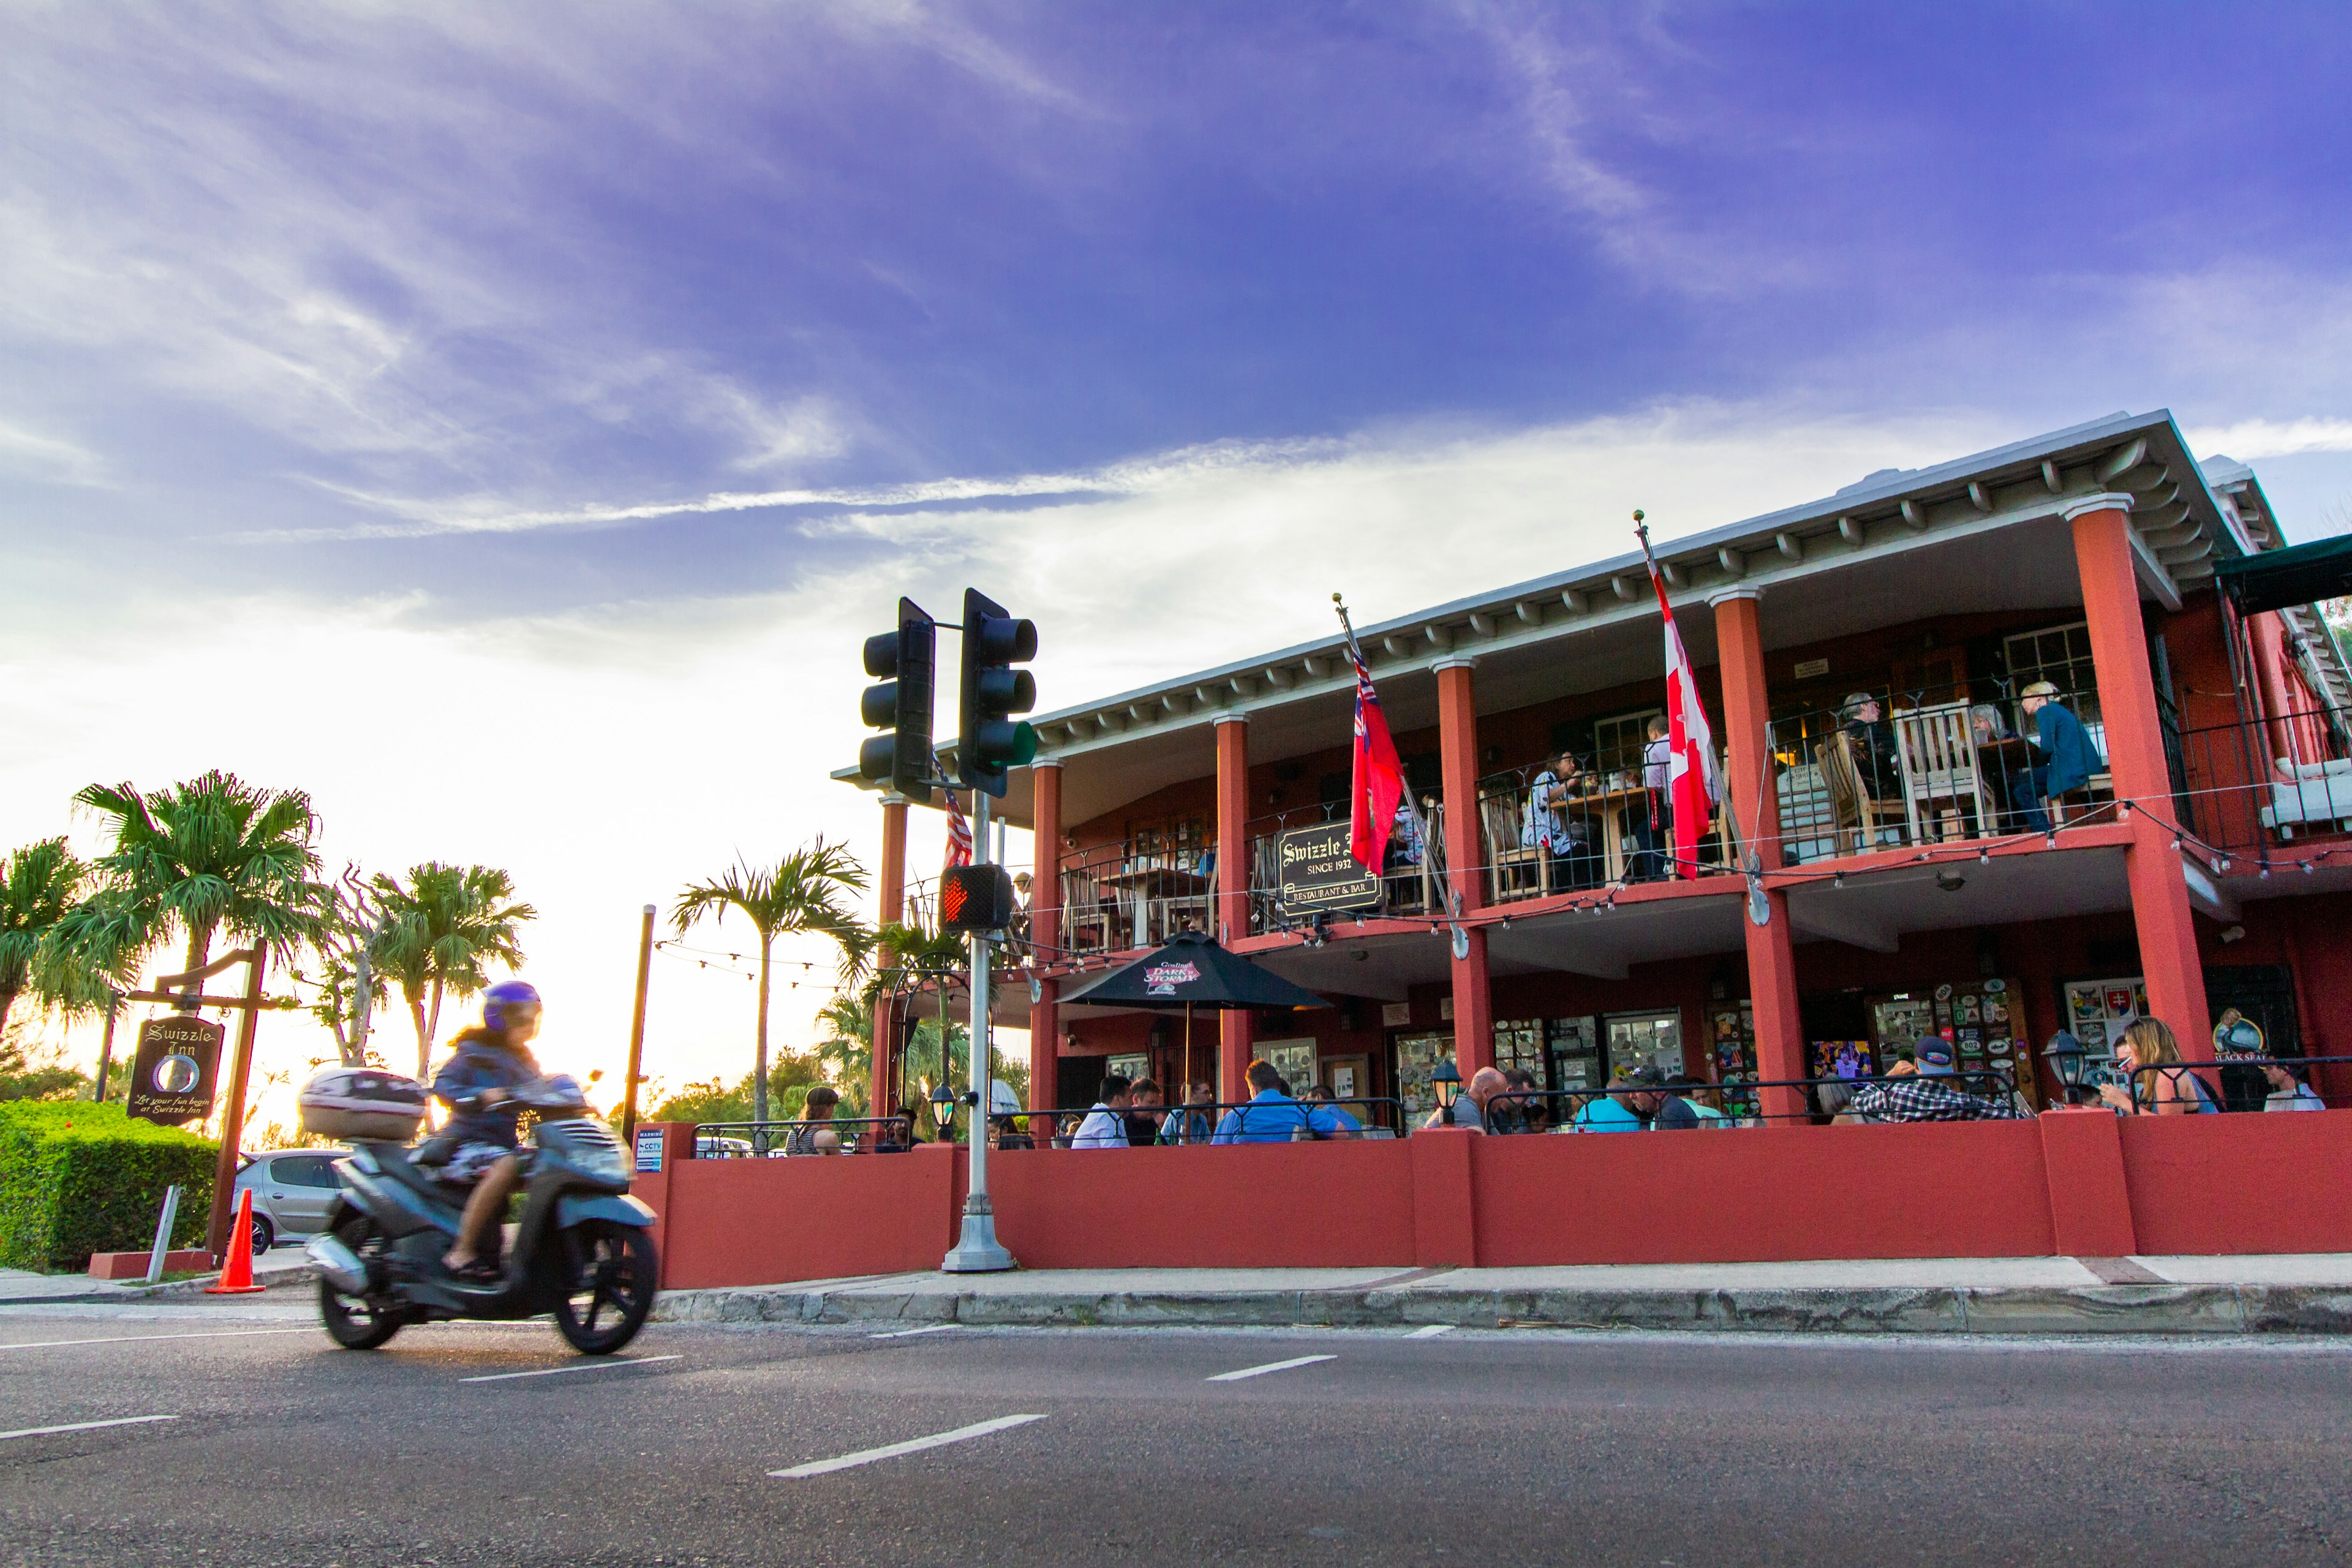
(1192, 970)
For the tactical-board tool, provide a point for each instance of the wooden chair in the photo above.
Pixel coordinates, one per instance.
(1860, 816)
(1501, 816)
(1941, 787)
(1086, 923)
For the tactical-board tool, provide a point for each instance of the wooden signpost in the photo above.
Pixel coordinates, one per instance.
(233, 1113)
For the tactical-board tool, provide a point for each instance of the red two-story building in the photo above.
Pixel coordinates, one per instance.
(1884, 870)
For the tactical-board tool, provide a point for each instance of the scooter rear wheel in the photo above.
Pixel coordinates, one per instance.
(609, 1285)
(352, 1322)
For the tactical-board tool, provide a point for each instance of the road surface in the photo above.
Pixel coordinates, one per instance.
(1145, 1447)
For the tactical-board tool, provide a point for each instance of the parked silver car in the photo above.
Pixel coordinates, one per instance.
(291, 1190)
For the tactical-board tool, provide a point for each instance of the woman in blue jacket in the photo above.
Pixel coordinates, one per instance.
(2065, 757)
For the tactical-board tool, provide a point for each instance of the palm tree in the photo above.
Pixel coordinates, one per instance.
(211, 853)
(440, 935)
(802, 894)
(38, 887)
(847, 1050)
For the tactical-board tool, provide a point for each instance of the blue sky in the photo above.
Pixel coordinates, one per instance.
(546, 398)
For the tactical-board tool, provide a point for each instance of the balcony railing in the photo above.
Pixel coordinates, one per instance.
(2264, 784)
(1951, 762)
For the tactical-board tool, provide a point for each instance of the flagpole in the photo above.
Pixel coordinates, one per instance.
(1420, 823)
(1750, 861)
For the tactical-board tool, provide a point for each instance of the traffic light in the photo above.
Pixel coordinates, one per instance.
(975, 898)
(988, 740)
(908, 661)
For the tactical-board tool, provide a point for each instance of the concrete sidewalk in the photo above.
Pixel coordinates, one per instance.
(2232, 1295)
(21, 1287)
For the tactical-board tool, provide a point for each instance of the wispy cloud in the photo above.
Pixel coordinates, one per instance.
(46, 459)
(2251, 438)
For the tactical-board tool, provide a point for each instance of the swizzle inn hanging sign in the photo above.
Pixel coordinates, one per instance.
(173, 1075)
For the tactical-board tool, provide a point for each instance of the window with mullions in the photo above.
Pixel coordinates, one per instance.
(1176, 844)
(1617, 741)
(1520, 1043)
(2061, 656)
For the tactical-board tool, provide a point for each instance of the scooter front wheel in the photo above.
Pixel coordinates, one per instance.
(353, 1321)
(609, 1285)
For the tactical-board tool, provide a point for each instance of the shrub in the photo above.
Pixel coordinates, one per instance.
(78, 1178)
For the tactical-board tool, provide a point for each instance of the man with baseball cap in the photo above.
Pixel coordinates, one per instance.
(1927, 1094)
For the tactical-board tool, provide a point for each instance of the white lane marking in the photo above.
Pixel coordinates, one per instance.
(82, 1426)
(912, 1446)
(575, 1366)
(1431, 1332)
(909, 1333)
(134, 1339)
(1270, 1366)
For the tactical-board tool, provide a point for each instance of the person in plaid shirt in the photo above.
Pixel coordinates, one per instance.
(1925, 1096)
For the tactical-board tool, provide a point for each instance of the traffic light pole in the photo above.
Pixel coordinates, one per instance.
(977, 1250)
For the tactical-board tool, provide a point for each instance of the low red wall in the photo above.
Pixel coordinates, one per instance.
(2073, 1182)
(758, 1222)
(2240, 1183)
(1763, 1195)
(1254, 1205)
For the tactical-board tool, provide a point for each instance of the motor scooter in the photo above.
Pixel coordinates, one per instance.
(583, 1250)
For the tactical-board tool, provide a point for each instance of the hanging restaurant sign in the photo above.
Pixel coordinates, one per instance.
(172, 1076)
(1317, 869)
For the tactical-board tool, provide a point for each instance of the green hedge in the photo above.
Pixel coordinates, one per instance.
(78, 1178)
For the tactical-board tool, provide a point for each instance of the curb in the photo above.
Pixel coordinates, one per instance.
(178, 1289)
(2085, 1309)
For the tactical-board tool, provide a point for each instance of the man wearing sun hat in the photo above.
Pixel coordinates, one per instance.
(2064, 758)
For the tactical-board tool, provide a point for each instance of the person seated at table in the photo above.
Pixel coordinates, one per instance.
(814, 1132)
(2063, 757)
(1105, 1124)
(1146, 1112)
(1876, 756)
(2002, 767)
(1553, 823)
(1325, 1116)
(1613, 1111)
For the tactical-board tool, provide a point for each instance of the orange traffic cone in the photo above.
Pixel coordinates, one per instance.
(236, 1269)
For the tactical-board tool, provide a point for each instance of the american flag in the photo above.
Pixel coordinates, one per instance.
(958, 834)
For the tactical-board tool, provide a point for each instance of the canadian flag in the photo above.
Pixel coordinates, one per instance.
(1693, 779)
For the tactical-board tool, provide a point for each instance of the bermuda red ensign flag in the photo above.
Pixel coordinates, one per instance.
(1694, 782)
(958, 834)
(1380, 777)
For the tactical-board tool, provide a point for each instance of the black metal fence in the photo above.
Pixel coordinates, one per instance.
(1217, 1121)
(2238, 1085)
(774, 1140)
(1746, 1104)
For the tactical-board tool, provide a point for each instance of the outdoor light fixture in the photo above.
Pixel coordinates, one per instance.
(1984, 856)
(943, 1104)
(2064, 1055)
(2222, 866)
(1446, 1079)
(2176, 846)
(1837, 878)
(2308, 867)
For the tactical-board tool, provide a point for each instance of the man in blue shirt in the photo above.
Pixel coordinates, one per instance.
(2066, 759)
(1611, 1113)
(1272, 1116)
(1325, 1117)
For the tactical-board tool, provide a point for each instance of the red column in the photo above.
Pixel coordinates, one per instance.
(1771, 963)
(1045, 931)
(1239, 1036)
(892, 886)
(1465, 859)
(2159, 890)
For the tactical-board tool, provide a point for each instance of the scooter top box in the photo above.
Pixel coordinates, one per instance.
(361, 1103)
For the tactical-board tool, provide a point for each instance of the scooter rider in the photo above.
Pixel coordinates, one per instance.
(486, 1066)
